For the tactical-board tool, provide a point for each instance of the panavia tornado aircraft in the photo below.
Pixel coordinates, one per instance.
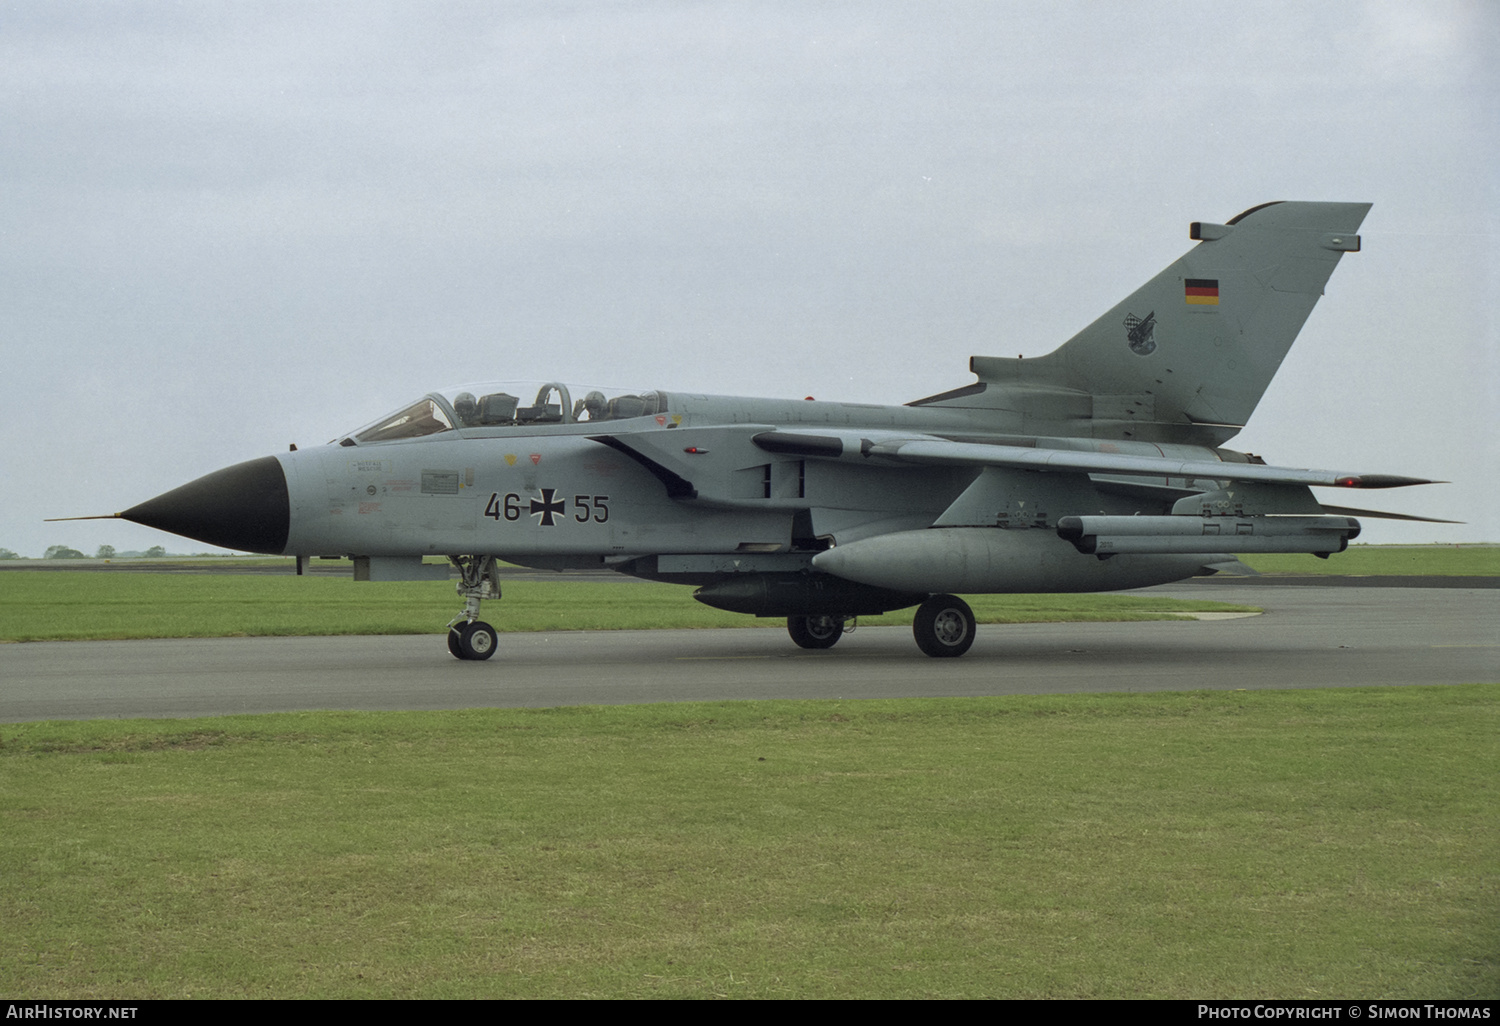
(1093, 468)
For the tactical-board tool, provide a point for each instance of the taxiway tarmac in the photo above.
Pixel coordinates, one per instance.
(1308, 637)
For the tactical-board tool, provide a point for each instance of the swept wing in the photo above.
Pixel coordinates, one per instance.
(926, 449)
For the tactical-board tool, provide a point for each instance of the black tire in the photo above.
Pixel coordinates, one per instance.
(944, 626)
(815, 631)
(477, 640)
(453, 643)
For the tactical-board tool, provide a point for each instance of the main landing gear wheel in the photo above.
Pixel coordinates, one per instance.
(944, 626)
(475, 640)
(815, 631)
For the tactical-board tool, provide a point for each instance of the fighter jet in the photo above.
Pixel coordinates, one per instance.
(1094, 468)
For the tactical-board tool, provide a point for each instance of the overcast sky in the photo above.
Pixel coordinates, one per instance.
(228, 227)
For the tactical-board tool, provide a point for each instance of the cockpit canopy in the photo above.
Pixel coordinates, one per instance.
(499, 405)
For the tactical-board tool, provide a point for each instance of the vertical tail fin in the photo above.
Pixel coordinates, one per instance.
(1187, 356)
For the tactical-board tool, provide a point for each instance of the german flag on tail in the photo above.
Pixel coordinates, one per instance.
(1201, 291)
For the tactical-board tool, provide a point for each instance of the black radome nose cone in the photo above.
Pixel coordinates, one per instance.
(241, 507)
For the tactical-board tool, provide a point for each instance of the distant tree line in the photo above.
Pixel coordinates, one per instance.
(68, 552)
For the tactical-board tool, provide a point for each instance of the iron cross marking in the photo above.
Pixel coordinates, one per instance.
(548, 508)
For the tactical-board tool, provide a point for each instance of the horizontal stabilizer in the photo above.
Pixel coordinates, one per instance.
(1378, 515)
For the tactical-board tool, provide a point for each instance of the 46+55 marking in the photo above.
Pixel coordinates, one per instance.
(548, 508)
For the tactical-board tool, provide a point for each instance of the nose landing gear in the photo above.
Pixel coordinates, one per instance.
(468, 636)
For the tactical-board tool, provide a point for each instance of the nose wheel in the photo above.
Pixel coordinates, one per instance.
(469, 637)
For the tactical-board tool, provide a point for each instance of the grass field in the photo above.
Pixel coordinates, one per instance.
(1388, 560)
(1298, 844)
(63, 605)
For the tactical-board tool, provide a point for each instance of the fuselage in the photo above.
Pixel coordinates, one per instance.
(676, 487)
(554, 494)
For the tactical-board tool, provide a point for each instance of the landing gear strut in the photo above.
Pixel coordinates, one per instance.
(818, 631)
(468, 636)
